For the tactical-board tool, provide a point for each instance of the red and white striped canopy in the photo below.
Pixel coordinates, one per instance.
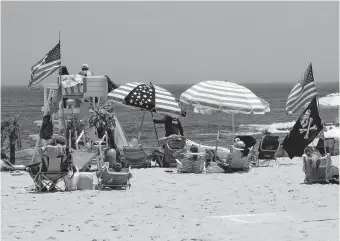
(147, 97)
(224, 96)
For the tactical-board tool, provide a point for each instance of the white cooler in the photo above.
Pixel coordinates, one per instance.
(85, 181)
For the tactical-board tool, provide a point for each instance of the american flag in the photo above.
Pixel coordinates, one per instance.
(45, 67)
(304, 91)
(147, 97)
(143, 96)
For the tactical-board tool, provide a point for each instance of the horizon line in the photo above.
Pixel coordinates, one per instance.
(247, 82)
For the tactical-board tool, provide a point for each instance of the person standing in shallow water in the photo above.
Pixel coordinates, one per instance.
(172, 125)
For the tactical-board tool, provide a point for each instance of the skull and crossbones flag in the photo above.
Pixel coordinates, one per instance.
(306, 128)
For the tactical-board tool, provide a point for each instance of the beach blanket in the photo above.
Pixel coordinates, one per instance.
(73, 85)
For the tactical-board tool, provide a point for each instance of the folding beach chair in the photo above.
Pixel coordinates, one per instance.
(107, 177)
(52, 168)
(269, 145)
(318, 170)
(330, 144)
(172, 144)
(136, 157)
(84, 158)
(237, 161)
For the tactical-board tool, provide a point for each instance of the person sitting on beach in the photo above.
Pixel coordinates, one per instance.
(241, 145)
(193, 157)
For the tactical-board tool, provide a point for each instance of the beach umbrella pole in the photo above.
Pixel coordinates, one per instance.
(233, 124)
(154, 125)
(141, 126)
(218, 132)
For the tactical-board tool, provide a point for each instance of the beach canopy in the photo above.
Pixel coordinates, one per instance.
(224, 96)
(147, 97)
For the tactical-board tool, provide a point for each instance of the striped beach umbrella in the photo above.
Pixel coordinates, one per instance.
(223, 96)
(147, 97)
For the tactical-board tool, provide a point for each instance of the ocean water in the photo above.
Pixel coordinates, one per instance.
(197, 127)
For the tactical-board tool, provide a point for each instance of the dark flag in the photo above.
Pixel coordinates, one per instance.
(304, 131)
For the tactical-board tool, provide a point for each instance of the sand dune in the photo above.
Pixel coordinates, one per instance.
(269, 203)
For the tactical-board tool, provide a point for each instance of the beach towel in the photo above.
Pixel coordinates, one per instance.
(73, 85)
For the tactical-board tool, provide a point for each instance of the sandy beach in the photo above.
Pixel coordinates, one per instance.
(268, 203)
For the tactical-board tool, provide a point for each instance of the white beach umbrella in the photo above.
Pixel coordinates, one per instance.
(330, 101)
(223, 96)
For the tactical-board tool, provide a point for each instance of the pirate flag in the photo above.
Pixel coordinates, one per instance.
(304, 131)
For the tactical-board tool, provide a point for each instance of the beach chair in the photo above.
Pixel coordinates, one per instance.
(268, 146)
(85, 157)
(330, 144)
(52, 168)
(136, 157)
(189, 165)
(172, 144)
(112, 179)
(237, 161)
(318, 170)
(107, 177)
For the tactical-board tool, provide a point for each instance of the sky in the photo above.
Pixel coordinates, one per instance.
(174, 42)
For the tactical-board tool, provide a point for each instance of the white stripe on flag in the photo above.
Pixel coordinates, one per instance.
(294, 104)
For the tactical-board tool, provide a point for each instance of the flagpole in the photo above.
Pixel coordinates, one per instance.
(141, 126)
(154, 125)
(60, 85)
(323, 133)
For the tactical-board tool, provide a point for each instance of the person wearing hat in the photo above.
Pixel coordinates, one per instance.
(85, 71)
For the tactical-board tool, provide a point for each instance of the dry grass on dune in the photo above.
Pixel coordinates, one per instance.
(265, 204)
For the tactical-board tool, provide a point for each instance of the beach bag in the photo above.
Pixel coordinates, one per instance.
(71, 182)
(46, 130)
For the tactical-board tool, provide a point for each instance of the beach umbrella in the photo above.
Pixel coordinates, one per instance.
(330, 101)
(147, 97)
(212, 96)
